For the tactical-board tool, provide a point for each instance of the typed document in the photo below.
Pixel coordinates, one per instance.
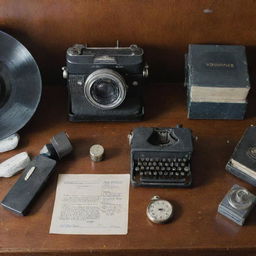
(92, 204)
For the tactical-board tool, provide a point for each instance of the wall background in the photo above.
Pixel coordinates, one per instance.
(163, 28)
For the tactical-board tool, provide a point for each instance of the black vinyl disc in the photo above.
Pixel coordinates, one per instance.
(20, 85)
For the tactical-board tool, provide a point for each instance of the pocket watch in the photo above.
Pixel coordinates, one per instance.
(159, 211)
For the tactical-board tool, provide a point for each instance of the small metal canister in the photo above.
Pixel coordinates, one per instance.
(96, 153)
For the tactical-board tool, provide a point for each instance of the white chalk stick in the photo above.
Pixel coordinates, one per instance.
(9, 143)
(14, 164)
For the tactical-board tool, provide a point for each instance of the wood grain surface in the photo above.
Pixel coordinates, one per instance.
(197, 229)
(164, 28)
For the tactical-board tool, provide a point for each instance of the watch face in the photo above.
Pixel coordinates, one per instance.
(160, 211)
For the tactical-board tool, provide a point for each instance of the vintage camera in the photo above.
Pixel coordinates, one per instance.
(105, 84)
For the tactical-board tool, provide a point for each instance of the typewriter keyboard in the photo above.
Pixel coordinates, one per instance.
(163, 171)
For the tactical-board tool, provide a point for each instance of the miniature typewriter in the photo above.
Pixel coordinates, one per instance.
(160, 157)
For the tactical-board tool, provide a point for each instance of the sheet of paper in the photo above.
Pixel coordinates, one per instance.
(93, 204)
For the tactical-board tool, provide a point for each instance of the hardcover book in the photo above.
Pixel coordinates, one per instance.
(243, 160)
(217, 81)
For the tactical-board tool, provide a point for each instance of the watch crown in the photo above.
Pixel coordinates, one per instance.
(155, 198)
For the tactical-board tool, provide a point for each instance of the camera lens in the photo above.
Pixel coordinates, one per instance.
(105, 89)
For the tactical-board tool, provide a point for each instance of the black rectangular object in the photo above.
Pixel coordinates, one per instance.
(23, 192)
(160, 157)
(243, 160)
(217, 81)
(214, 110)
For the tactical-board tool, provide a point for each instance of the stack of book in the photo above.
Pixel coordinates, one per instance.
(217, 81)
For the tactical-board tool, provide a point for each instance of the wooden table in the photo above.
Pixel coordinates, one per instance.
(197, 229)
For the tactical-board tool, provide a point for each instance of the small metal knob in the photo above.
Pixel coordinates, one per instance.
(240, 198)
(145, 72)
(64, 72)
(96, 153)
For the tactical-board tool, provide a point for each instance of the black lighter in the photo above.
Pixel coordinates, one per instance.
(35, 176)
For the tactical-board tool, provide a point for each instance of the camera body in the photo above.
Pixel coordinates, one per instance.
(105, 84)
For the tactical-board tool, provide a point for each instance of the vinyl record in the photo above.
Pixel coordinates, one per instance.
(20, 85)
